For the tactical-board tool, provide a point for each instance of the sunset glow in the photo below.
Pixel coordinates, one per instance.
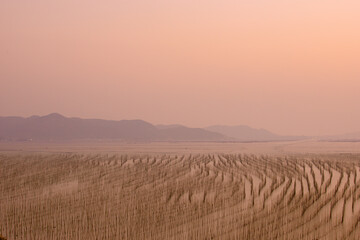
(288, 66)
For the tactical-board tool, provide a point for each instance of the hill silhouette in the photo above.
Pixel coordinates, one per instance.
(247, 134)
(54, 127)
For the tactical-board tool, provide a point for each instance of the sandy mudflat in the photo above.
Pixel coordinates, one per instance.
(285, 190)
(291, 147)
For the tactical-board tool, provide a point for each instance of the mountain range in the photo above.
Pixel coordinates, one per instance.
(247, 134)
(55, 127)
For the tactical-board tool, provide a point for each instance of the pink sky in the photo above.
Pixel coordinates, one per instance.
(292, 67)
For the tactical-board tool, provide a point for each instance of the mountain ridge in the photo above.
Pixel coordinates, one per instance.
(55, 127)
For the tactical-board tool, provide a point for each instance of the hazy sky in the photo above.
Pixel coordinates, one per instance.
(292, 67)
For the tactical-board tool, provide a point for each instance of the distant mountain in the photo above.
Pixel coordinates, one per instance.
(182, 133)
(248, 134)
(55, 127)
(164, 126)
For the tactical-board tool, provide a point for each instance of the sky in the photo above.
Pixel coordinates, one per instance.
(292, 67)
